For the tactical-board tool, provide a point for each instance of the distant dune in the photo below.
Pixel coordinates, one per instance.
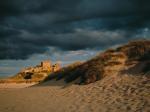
(117, 80)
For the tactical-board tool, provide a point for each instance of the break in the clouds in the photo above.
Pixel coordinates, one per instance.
(32, 27)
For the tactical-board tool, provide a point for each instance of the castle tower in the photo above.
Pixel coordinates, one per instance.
(46, 64)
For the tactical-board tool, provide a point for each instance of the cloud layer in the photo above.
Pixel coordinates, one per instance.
(28, 28)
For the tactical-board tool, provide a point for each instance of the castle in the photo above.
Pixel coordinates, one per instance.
(45, 66)
(48, 65)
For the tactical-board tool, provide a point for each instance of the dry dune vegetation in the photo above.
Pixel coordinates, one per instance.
(117, 80)
(112, 61)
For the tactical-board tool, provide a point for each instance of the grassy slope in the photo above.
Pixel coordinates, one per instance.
(109, 62)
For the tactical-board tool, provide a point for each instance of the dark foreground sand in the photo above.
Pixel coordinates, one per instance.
(113, 94)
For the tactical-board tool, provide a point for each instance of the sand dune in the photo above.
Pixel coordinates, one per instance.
(125, 93)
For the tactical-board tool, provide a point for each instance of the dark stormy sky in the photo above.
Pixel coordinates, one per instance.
(66, 30)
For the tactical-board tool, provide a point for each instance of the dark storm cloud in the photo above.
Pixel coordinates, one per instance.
(29, 27)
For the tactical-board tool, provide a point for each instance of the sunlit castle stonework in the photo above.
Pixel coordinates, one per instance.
(43, 68)
(45, 65)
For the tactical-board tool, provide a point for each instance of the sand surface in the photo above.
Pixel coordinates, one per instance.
(15, 85)
(113, 94)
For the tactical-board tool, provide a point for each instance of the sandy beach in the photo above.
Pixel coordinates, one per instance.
(15, 85)
(112, 94)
